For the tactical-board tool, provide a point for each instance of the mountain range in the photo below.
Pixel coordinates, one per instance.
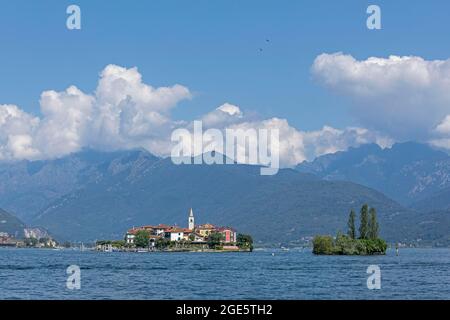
(99, 195)
(11, 224)
(411, 173)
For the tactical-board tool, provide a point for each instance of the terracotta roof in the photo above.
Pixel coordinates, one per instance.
(135, 230)
(206, 226)
(175, 230)
(225, 228)
(162, 226)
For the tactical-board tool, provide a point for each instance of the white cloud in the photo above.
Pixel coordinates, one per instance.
(404, 97)
(230, 109)
(118, 84)
(16, 130)
(331, 140)
(130, 113)
(442, 134)
(224, 115)
(66, 119)
(444, 126)
(295, 145)
(125, 113)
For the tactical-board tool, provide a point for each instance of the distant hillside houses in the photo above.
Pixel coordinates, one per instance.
(37, 233)
(33, 238)
(193, 233)
(6, 239)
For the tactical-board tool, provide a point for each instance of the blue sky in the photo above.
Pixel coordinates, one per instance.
(212, 47)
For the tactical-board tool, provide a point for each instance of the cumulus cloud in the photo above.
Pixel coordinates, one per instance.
(441, 137)
(444, 126)
(224, 115)
(331, 140)
(65, 118)
(16, 133)
(404, 97)
(130, 113)
(124, 113)
(294, 145)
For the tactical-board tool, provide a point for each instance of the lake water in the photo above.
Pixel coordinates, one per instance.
(294, 274)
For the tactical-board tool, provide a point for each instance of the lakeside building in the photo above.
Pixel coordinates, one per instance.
(174, 234)
(32, 237)
(5, 239)
(193, 233)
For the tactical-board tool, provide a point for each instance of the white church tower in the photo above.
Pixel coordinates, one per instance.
(191, 220)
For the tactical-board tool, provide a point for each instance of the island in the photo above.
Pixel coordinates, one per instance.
(368, 242)
(165, 238)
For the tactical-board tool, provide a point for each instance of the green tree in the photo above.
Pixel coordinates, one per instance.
(118, 243)
(364, 224)
(215, 239)
(244, 241)
(141, 239)
(351, 225)
(323, 245)
(345, 245)
(162, 243)
(373, 224)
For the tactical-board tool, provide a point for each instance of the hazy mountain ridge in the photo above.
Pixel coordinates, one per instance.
(26, 187)
(407, 172)
(11, 224)
(439, 201)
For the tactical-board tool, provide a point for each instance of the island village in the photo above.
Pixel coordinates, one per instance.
(204, 238)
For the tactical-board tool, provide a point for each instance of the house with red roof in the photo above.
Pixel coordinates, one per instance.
(174, 234)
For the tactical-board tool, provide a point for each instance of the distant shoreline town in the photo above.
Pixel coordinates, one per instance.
(32, 238)
(195, 238)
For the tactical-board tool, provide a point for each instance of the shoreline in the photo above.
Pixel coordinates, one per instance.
(260, 249)
(173, 251)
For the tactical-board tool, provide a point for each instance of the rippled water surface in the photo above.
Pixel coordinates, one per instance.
(295, 274)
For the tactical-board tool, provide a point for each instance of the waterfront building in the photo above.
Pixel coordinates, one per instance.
(205, 229)
(175, 234)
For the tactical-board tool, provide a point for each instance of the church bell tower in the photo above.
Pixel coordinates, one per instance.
(191, 220)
